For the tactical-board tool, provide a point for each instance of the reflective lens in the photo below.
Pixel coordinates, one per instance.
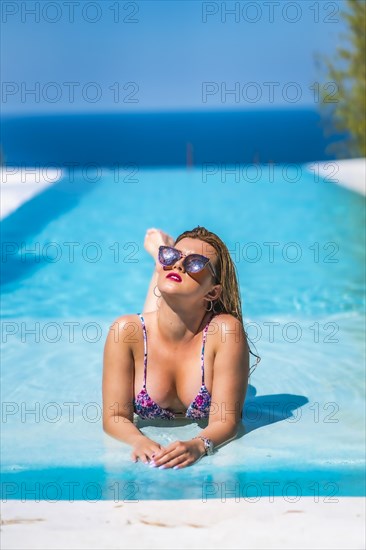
(168, 255)
(194, 263)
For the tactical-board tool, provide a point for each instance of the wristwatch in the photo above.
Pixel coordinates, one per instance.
(209, 446)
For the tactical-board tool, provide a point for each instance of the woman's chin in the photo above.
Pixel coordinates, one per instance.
(170, 284)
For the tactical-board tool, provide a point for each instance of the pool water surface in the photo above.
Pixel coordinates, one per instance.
(73, 261)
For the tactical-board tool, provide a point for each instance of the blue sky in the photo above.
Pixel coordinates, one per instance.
(158, 55)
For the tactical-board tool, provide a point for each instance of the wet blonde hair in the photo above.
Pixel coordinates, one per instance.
(229, 300)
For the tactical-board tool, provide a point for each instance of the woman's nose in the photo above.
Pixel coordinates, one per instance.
(179, 265)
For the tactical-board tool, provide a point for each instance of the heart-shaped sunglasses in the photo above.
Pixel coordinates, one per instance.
(192, 263)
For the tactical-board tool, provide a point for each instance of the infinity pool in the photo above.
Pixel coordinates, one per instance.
(73, 260)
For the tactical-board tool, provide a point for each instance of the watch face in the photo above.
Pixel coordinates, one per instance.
(209, 446)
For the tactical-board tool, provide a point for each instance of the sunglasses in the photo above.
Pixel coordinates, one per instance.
(193, 263)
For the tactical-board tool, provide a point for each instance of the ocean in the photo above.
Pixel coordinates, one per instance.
(166, 138)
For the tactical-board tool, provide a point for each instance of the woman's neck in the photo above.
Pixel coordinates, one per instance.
(180, 326)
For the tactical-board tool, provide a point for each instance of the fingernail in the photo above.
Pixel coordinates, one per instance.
(161, 467)
(152, 465)
(175, 467)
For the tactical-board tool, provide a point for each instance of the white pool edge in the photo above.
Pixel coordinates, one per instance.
(348, 173)
(310, 522)
(19, 185)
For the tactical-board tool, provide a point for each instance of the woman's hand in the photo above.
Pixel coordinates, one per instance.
(144, 449)
(155, 238)
(179, 454)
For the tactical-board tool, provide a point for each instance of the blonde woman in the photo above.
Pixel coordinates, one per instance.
(185, 356)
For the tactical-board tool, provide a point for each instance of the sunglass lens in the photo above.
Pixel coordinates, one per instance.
(167, 256)
(194, 264)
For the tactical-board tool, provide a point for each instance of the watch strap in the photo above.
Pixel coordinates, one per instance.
(205, 441)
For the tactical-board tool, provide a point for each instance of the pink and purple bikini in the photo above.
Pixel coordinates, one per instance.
(145, 407)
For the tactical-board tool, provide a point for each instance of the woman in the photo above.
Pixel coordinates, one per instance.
(192, 311)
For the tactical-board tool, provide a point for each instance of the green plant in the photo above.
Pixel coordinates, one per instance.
(347, 105)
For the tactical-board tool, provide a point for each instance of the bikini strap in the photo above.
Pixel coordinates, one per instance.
(145, 347)
(205, 330)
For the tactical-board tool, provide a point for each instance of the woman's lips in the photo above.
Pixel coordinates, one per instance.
(174, 277)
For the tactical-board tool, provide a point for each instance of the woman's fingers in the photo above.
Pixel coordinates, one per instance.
(169, 457)
(148, 455)
(154, 453)
(182, 465)
(175, 456)
(161, 455)
(178, 454)
(144, 457)
(175, 463)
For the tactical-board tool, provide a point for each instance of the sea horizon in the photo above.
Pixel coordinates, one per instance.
(167, 138)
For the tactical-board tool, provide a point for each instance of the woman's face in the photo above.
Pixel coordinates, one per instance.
(191, 285)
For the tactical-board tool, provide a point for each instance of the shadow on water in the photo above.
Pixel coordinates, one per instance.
(258, 411)
(29, 219)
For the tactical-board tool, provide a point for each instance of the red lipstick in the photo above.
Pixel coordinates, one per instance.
(175, 276)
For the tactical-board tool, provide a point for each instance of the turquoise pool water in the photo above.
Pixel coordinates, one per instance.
(73, 260)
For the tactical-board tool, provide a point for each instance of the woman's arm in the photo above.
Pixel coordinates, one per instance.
(118, 389)
(151, 299)
(230, 381)
(153, 239)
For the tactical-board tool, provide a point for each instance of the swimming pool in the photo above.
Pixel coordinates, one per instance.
(74, 261)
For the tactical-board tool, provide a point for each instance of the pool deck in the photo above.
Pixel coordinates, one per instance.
(180, 524)
(349, 173)
(19, 185)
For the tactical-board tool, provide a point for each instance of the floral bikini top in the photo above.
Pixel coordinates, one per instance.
(145, 407)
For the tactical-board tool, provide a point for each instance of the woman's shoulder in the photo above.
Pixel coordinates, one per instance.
(227, 327)
(127, 328)
(123, 320)
(227, 320)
